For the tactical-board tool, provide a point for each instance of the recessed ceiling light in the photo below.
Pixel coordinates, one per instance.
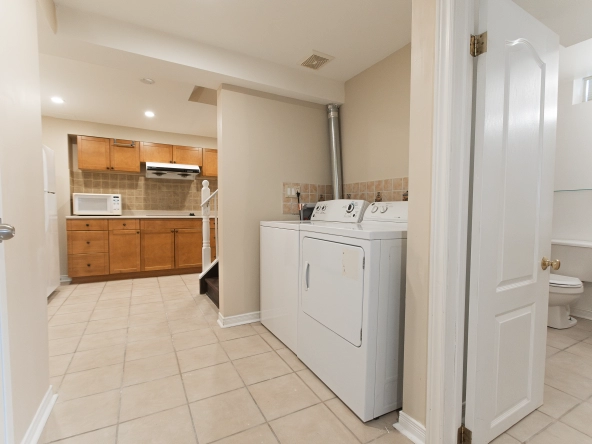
(147, 81)
(149, 114)
(58, 100)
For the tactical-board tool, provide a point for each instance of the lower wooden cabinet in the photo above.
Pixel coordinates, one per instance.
(158, 249)
(124, 251)
(98, 247)
(186, 253)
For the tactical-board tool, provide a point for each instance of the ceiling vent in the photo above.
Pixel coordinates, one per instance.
(316, 60)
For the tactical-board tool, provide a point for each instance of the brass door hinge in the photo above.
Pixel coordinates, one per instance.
(465, 436)
(478, 44)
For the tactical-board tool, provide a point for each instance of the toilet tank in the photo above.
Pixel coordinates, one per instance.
(575, 257)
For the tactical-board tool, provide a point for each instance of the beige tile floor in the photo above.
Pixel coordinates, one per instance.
(144, 361)
(566, 415)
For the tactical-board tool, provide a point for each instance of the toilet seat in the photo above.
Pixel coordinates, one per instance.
(565, 284)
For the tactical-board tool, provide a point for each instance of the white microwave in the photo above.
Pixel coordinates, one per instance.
(86, 204)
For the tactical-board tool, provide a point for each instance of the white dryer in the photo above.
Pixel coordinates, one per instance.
(352, 297)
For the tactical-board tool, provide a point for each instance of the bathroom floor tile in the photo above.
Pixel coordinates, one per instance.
(557, 403)
(201, 357)
(188, 324)
(227, 334)
(261, 367)
(281, 396)
(316, 385)
(103, 436)
(66, 331)
(171, 426)
(365, 432)
(151, 397)
(103, 339)
(90, 382)
(99, 357)
(530, 426)
(149, 347)
(273, 342)
(314, 425)
(82, 415)
(291, 359)
(194, 338)
(243, 347)
(560, 433)
(149, 369)
(261, 434)
(580, 418)
(148, 331)
(211, 381)
(224, 415)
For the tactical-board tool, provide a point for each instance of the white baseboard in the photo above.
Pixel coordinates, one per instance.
(36, 428)
(586, 314)
(411, 428)
(233, 321)
(65, 279)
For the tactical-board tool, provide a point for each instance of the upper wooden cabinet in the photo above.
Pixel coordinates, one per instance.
(93, 153)
(187, 155)
(100, 154)
(156, 152)
(125, 155)
(210, 163)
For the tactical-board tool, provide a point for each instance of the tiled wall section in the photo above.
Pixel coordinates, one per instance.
(140, 193)
(310, 193)
(390, 189)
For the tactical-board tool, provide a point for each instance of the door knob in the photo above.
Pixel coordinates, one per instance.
(546, 263)
(6, 231)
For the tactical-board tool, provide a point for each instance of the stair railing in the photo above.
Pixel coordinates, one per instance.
(206, 198)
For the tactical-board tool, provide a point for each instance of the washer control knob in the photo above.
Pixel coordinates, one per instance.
(374, 209)
(350, 208)
(383, 209)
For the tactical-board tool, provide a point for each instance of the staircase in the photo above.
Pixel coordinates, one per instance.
(208, 278)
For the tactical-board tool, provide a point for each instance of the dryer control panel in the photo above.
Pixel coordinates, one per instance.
(387, 212)
(341, 210)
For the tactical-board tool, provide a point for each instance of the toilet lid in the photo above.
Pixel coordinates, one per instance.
(556, 280)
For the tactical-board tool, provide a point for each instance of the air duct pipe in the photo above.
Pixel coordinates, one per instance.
(335, 147)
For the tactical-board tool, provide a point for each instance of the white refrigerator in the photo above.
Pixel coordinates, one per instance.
(52, 251)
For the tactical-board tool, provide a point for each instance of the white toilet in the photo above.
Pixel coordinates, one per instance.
(565, 289)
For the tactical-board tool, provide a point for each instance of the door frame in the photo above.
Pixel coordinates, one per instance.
(450, 211)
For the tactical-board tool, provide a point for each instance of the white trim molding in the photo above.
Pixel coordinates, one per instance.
(451, 170)
(36, 427)
(411, 428)
(233, 321)
(586, 314)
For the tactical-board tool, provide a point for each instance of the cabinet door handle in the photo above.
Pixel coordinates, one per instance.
(124, 225)
(127, 145)
(88, 265)
(87, 242)
(87, 225)
(137, 232)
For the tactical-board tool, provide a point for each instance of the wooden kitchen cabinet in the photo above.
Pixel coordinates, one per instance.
(94, 264)
(84, 242)
(187, 155)
(156, 152)
(87, 224)
(125, 155)
(210, 163)
(157, 249)
(93, 153)
(188, 243)
(101, 154)
(124, 251)
(124, 224)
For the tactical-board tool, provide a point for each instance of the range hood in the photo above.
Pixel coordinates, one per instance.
(155, 170)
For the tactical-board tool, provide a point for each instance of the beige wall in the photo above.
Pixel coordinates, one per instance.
(423, 32)
(55, 136)
(23, 305)
(375, 121)
(264, 140)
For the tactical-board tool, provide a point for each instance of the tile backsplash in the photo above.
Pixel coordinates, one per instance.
(389, 189)
(140, 193)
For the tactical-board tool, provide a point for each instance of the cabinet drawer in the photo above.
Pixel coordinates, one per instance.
(86, 224)
(170, 224)
(83, 242)
(124, 224)
(94, 264)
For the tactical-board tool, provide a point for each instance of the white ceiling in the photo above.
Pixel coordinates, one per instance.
(570, 19)
(107, 95)
(357, 33)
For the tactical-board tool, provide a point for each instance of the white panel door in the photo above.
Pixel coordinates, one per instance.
(333, 286)
(516, 98)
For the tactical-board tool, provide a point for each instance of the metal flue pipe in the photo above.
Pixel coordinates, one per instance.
(335, 148)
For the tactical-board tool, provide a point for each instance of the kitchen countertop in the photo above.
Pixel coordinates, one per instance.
(154, 215)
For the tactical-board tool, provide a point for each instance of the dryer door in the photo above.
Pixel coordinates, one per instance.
(333, 286)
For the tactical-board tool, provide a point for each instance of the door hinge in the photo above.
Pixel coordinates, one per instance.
(465, 436)
(478, 44)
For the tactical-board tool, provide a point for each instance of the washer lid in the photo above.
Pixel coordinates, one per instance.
(557, 280)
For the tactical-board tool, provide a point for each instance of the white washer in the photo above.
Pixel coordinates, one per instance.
(279, 256)
(352, 297)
